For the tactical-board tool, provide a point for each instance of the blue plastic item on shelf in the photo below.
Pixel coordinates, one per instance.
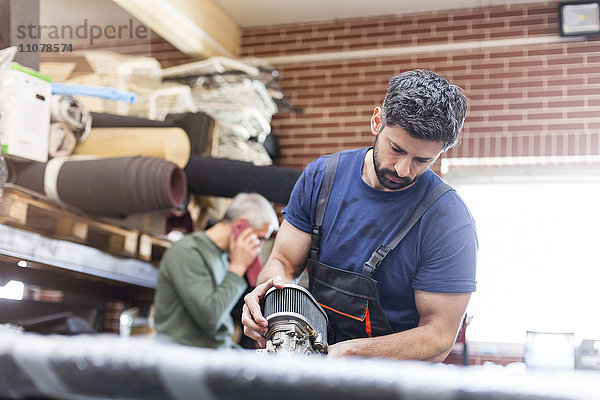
(103, 92)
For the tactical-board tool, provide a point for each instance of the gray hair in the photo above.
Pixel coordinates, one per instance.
(427, 106)
(253, 207)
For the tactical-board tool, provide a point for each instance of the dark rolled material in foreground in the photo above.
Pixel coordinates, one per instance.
(110, 187)
(96, 367)
(226, 178)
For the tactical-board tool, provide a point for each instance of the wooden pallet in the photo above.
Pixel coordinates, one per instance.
(151, 248)
(25, 209)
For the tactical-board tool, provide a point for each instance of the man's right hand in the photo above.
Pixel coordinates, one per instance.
(255, 324)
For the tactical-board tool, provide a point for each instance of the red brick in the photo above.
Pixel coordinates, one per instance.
(469, 15)
(434, 39)
(545, 72)
(506, 13)
(369, 23)
(567, 103)
(566, 60)
(506, 34)
(432, 20)
(506, 117)
(522, 106)
(583, 92)
(526, 64)
(583, 114)
(561, 127)
(467, 57)
(507, 95)
(526, 22)
(489, 25)
(593, 58)
(542, 31)
(330, 47)
(468, 37)
(508, 54)
(397, 22)
(510, 74)
(544, 93)
(486, 129)
(526, 84)
(487, 107)
(585, 48)
(298, 31)
(487, 86)
(488, 66)
(583, 70)
(526, 128)
(545, 52)
(546, 115)
(541, 10)
(565, 82)
(451, 28)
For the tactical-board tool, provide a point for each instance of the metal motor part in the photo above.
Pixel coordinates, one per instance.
(297, 323)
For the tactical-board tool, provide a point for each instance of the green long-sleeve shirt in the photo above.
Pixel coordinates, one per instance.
(195, 293)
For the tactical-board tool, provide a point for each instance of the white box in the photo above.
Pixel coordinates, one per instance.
(26, 112)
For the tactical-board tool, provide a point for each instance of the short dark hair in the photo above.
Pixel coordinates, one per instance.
(427, 106)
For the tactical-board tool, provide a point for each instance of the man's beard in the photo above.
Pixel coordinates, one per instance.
(381, 173)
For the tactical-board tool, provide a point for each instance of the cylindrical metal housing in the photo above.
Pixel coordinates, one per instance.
(292, 312)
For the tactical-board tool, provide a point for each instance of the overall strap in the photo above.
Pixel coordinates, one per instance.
(378, 255)
(322, 201)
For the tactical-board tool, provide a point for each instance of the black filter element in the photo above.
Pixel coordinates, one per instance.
(226, 178)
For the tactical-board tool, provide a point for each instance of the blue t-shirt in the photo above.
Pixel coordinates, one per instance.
(437, 255)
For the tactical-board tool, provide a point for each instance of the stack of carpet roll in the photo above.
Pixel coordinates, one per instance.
(128, 165)
(117, 135)
(111, 187)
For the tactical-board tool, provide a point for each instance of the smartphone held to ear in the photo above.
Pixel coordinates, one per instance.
(252, 272)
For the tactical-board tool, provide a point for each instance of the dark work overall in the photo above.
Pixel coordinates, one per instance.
(350, 299)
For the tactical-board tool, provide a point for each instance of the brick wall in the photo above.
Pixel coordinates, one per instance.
(532, 93)
(167, 54)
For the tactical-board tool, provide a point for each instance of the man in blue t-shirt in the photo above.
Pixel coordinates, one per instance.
(391, 254)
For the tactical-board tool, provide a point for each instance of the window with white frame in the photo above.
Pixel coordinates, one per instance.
(539, 250)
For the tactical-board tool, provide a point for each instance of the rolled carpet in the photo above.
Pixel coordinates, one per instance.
(110, 187)
(171, 144)
(198, 126)
(226, 178)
